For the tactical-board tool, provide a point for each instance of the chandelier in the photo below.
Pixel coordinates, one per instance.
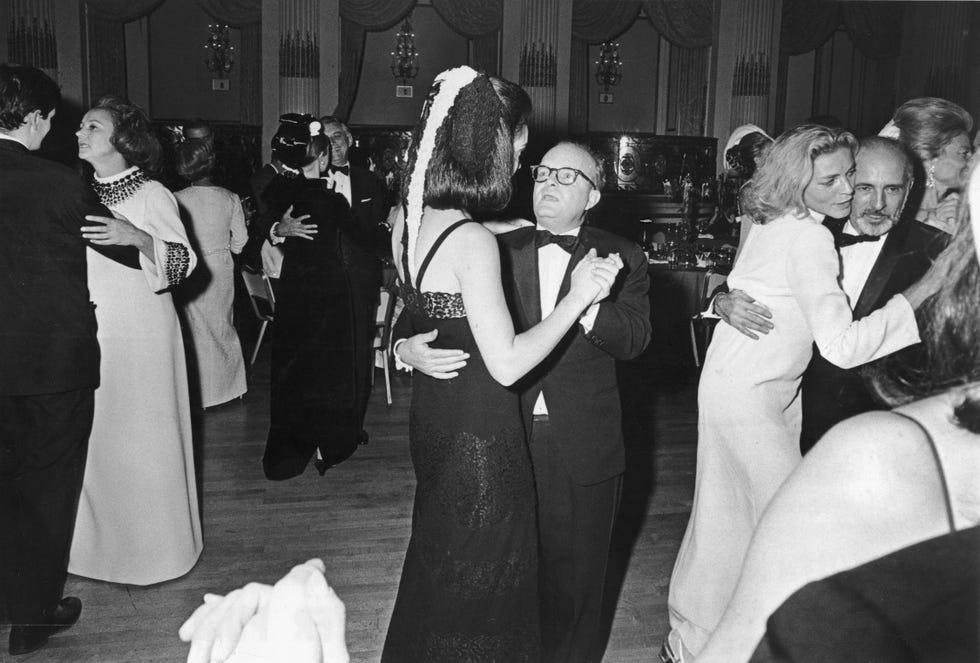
(219, 59)
(405, 59)
(608, 68)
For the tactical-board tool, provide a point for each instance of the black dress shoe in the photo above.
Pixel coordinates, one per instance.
(362, 438)
(25, 638)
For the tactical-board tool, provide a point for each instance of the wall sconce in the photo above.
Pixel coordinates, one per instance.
(405, 59)
(219, 59)
(608, 70)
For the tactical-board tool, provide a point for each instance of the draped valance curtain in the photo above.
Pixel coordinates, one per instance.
(684, 23)
(478, 20)
(875, 28)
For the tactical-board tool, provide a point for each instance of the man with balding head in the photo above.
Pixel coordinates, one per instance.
(570, 400)
(881, 255)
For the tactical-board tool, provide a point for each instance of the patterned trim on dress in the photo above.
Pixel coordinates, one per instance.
(117, 191)
(178, 262)
(438, 305)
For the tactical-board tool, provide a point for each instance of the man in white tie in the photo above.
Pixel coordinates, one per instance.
(881, 255)
(571, 399)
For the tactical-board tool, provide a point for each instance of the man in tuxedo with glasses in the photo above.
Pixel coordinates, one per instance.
(570, 401)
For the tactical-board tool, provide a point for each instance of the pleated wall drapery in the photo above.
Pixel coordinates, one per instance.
(753, 64)
(538, 68)
(31, 35)
(299, 56)
(946, 76)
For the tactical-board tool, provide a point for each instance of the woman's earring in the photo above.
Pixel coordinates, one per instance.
(931, 176)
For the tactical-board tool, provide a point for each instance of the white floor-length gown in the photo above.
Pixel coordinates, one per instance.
(214, 218)
(138, 521)
(749, 407)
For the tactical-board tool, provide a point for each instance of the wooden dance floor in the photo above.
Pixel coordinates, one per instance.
(357, 518)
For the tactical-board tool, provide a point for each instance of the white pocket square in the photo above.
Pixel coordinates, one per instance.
(366, 200)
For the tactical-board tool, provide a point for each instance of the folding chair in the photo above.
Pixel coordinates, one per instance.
(382, 334)
(263, 301)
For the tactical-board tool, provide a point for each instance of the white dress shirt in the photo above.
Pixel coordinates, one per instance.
(552, 264)
(856, 262)
(340, 183)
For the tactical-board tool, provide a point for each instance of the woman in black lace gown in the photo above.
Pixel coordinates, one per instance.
(468, 590)
(314, 408)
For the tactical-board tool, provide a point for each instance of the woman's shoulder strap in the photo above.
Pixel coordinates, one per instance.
(435, 247)
(939, 466)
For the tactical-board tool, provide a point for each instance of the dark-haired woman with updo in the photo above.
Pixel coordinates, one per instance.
(213, 217)
(315, 408)
(138, 519)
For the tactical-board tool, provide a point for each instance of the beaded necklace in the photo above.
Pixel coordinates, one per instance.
(116, 191)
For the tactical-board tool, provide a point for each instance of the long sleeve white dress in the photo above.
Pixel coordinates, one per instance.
(749, 406)
(138, 520)
(215, 220)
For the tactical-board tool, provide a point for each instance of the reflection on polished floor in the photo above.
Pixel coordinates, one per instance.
(357, 518)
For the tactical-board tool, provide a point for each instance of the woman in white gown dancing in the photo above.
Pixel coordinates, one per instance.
(748, 397)
(138, 520)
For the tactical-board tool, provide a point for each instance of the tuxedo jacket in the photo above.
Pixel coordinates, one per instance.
(369, 238)
(578, 378)
(47, 334)
(831, 394)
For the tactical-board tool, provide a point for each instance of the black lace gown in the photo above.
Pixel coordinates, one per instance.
(468, 590)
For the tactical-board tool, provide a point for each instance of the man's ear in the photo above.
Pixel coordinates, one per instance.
(594, 196)
(33, 118)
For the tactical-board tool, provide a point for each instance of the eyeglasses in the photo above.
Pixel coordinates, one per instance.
(564, 175)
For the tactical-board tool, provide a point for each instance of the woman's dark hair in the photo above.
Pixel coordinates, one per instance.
(195, 158)
(24, 90)
(471, 164)
(299, 140)
(949, 325)
(751, 149)
(515, 102)
(132, 133)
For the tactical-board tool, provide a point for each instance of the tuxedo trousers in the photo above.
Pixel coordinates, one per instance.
(43, 447)
(575, 525)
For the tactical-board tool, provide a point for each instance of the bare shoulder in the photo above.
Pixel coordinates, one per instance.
(879, 452)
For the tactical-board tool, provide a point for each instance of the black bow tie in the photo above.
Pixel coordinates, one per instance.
(545, 237)
(847, 240)
(339, 169)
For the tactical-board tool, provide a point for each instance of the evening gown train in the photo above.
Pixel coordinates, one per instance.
(468, 589)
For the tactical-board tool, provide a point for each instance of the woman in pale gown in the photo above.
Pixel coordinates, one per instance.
(138, 520)
(748, 397)
(214, 218)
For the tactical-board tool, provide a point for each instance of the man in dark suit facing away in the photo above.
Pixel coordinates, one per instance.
(570, 401)
(49, 359)
(881, 255)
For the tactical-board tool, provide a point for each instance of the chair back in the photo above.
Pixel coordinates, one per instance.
(712, 281)
(260, 293)
(385, 314)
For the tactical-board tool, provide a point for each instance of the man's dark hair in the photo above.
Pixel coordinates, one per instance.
(24, 90)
